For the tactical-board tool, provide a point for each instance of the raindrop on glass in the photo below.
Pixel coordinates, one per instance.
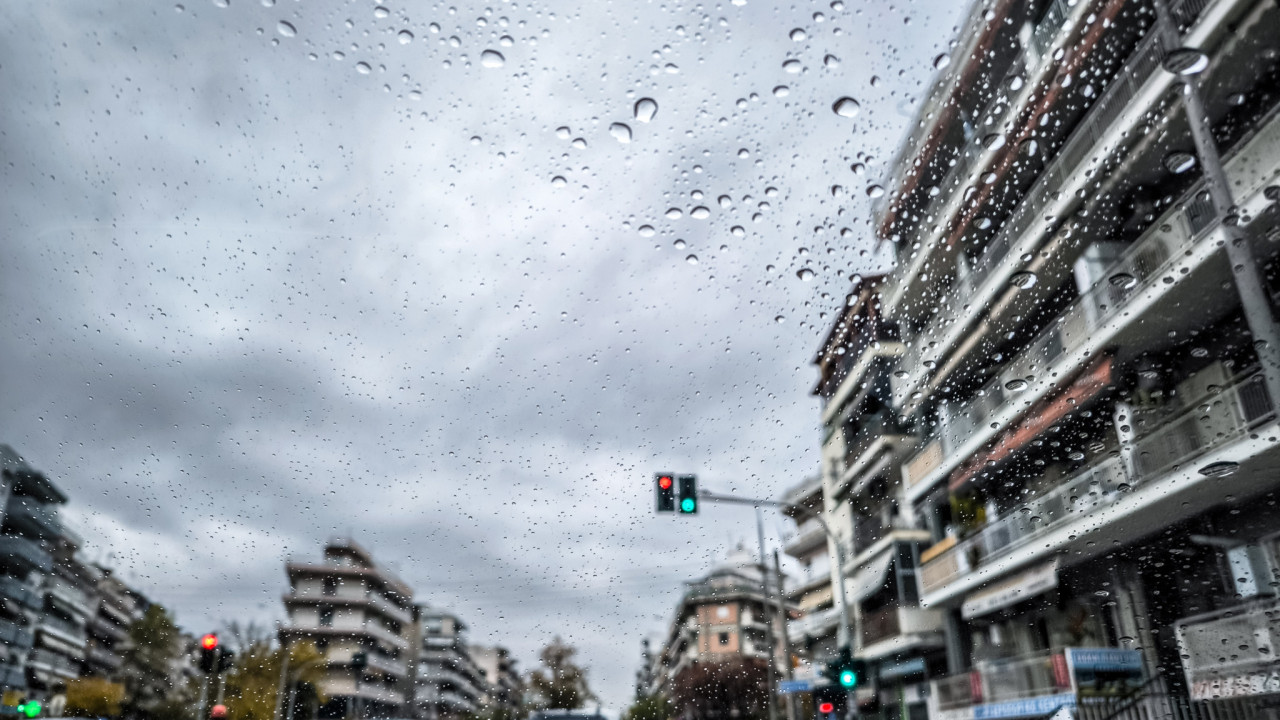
(558, 181)
(875, 191)
(1185, 61)
(792, 66)
(941, 61)
(1220, 469)
(620, 132)
(798, 35)
(492, 59)
(645, 109)
(846, 107)
(1023, 280)
(381, 12)
(805, 274)
(1124, 281)
(1179, 161)
(363, 68)
(700, 213)
(831, 61)
(692, 259)
(286, 29)
(405, 37)
(647, 231)
(674, 213)
(1016, 385)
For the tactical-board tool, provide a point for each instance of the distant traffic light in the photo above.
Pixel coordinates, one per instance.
(831, 700)
(688, 494)
(845, 670)
(29, 708)
(226, 659)
(664, 488)
(208, 653)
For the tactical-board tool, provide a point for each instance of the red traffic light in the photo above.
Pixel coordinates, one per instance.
(826, 707)
(209, 642)
(664, 482)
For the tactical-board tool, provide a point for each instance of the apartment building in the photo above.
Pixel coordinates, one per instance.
(30, 522)
(720, 617)
(813, 634)
(1085, 358)
(354, 610)
(117, 607)
(504, 688)
(448, 683)
(62, 639)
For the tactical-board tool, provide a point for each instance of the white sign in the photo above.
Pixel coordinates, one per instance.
(1261, 683)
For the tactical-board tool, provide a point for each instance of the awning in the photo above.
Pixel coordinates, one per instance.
(1020, 587)
(1090, 383)
(817, 599)
(870, 577)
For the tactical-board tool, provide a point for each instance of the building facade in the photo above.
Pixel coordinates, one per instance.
(354, 610)
(503, 687)
(1056, 416)
(448, 683)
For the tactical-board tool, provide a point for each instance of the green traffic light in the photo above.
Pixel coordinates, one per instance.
(848, 678)
(688, 505)
(30, 709)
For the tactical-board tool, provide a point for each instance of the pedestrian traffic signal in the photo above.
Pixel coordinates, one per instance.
(664, 488)
(688, 494)
(208, 653)
(226, 659)
(29, 708)
(826, 707)
(831, 700)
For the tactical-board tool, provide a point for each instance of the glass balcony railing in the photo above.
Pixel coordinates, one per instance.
(1207, 423)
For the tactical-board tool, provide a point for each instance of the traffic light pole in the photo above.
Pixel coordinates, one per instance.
(844, 635)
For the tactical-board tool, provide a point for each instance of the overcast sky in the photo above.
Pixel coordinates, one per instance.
(277, 271)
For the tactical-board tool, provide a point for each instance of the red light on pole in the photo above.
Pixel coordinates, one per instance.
(664, 482)
(209, 642)
(826, 708)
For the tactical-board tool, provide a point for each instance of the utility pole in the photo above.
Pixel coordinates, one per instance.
(284, 672)
(786, 636)
(772, 687)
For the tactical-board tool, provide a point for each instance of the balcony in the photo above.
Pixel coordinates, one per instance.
(382, 633)
(809, 536)
(1231, 652)
(800, 496)
(66, 631)
(387, 665)
(1099, 135)
(818, 624)
(1218, 419)
(1036, 684)
(14, 635)
(894, 629)
(100, 626)
(20, 592)
(73, 598)
(53, 663)
(23, 555)
(33, 517)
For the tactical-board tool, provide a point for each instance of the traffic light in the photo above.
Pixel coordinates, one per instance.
(208, 653)
(29, 708)
(830, 700)
(664, 488)
(845, 671)
(688, 494)
(226, 659)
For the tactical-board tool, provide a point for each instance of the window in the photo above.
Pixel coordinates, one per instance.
(330, 586)
(723, 638)
(326, 616)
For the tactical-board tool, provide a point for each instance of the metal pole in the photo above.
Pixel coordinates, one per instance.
(284, 672)
(1244, 269)
(789, 699)
(293, 699)
(204, 697)
(768, 629)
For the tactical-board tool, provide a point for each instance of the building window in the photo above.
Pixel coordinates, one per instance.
(724, 638)
(722, 612)
(322, 644)
(331, 586)
(326, 616)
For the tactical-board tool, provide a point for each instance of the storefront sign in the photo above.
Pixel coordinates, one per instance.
(1104, 659)
(787, 687)
(892, 670)
(1105, 672)
(1016, 589)
(1260, 683)
(1023, 708)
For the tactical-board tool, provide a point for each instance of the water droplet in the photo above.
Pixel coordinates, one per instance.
(875, 191)
(1220, 469)
(645, 109)
(563, 132)
(792, 66)
(798, 35)
(779, 319)
(1124, 281)
(1023, 280)
(1179, 161)
(1271, 192)
(831, 61)
(363, 68)
(579, 144)
(405, 37)
(679, 244)
(647, 231)
(941, 61)
(692, 259)
(846, 107)
(725, 201)
(671, 68)
(222, 3)
(700, 213)
(738, 231)
(805, 274)
(781, 91)
(286, 29)
(492, 59)
(674, 213)
(434, 27)
(1185, 61)
(1016, 385)
(620, 132)
(381, 12)
(558, 181)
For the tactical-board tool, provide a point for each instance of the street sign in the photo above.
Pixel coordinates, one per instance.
(786, 687)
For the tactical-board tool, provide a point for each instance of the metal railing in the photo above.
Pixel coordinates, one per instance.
(1025, 676)
(1230, 413)
(881, 624)
(20, 592)
(15, 549)
(44, 659)
(57, 624)
(1230, 642)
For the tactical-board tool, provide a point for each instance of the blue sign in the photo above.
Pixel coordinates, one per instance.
(1104, 659)
(787, 687)
(1023, 708)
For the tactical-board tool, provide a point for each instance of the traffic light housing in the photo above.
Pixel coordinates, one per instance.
(664, 488)
(226, 659)
(29, 708)
(687, 494)
(844, 671)
(208, 653)
(830, 700)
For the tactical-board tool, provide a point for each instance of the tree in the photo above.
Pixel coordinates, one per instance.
(651, 707)
(254, 680)
(154, 687)
(94, 697)
(732, 688)
(560, 683)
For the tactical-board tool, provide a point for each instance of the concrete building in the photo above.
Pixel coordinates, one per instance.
(61, 630)
(1083, 403)
(503, 687)
(30, 523)
(348, 605)
(448, 684)
(721, 616)
(117, 607)
(813, 633)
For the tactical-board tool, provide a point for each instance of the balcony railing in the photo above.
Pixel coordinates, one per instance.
(14, 635)
(1018, 678)
(68, 631)
(75, 597)
(1230, 647)
(867, 531)
(52, 662)
(20, 592)
(1208, 423)
(881, 624)
(23, 553)
(815, 624)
